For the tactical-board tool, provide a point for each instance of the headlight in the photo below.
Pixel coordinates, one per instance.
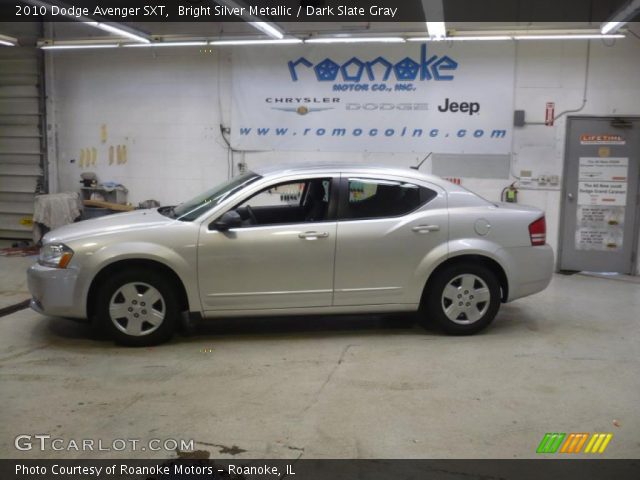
(55, 255)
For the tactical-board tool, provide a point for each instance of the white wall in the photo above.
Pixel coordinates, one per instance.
(556, 72)
(167, 105)
(162, 105)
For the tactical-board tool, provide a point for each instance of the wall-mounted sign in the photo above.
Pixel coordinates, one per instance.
(602, 193)
(378, 98)
(610, 169)
(602, 197)
(600, 228)
(588, 139)
(549, 113)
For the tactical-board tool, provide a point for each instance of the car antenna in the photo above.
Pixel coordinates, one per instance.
(417, 167)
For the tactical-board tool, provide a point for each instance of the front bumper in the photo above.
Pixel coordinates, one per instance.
(54, 291)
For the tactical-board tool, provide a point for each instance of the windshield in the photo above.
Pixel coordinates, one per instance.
(192, 209)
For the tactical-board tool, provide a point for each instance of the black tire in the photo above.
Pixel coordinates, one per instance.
(140, 280)
(435, 301)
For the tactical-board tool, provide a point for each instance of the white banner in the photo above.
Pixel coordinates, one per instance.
(435, 97)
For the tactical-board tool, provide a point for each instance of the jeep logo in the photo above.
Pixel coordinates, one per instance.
(470, 108)
(353, 70)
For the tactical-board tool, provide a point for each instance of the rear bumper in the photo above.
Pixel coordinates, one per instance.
(53, 291)
(529, 269)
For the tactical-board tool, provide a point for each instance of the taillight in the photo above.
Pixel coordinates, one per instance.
(538, 232)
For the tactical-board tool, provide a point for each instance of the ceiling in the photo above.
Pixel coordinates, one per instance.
(488, 15)
(70, 31)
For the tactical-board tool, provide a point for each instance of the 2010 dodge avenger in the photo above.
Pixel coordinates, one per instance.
(297, 240)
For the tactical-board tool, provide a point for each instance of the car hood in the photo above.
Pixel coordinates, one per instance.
(107, 225)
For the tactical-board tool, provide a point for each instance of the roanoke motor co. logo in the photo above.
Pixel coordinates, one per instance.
(574, 443)
(378, 69)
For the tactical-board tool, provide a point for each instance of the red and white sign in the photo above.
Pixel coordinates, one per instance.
(588, 139)
(549, 113)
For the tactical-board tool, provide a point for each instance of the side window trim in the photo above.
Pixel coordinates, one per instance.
(334, 198)
(343, 204)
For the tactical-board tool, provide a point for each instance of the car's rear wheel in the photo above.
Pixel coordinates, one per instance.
(462, 298)
(137, 308)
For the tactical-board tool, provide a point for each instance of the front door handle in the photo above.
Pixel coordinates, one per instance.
(426, 228)
(313, 235)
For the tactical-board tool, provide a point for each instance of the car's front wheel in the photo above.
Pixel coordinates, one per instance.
(137, 308)
(462, 298)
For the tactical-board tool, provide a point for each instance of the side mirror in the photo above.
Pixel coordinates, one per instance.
(229, 220)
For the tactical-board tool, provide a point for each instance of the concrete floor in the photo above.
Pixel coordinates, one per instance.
(13, 281)
(565, 360)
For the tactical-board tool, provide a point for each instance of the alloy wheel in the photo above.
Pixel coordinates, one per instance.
(465, 299)
(137, 309)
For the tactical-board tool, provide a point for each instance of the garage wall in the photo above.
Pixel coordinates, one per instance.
(160, 110)
(166, 106)
(556, 72)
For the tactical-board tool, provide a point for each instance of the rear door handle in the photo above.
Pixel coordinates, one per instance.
(313, 235)
(426, 228)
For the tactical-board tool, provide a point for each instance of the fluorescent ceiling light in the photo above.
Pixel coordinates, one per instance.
(626, 13)
(284, 41)
(436, 30)
(611, 27)
(267, 28)
(481, 38)
(355, 40)
(166, 44)
(462, 39)
(79, 46)
(125, 32)
(8, 41)
(497, 38)
(566, 37)
(118, 31)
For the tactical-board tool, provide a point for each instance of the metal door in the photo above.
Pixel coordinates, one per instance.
(21, 142)
(267, 267)
(377, 258)
(270, 267)
(600, 195)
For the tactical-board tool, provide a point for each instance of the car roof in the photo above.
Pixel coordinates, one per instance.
(355, 168)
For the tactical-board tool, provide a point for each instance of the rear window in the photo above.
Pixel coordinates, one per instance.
(374, 198)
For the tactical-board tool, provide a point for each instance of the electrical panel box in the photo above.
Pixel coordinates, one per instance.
(518, 118)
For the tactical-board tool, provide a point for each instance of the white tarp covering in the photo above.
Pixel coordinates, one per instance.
(412, 97)
(57, 209)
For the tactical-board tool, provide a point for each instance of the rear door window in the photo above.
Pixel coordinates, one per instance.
(378, 198)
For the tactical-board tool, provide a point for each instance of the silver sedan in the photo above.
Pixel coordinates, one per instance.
(297, 240)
